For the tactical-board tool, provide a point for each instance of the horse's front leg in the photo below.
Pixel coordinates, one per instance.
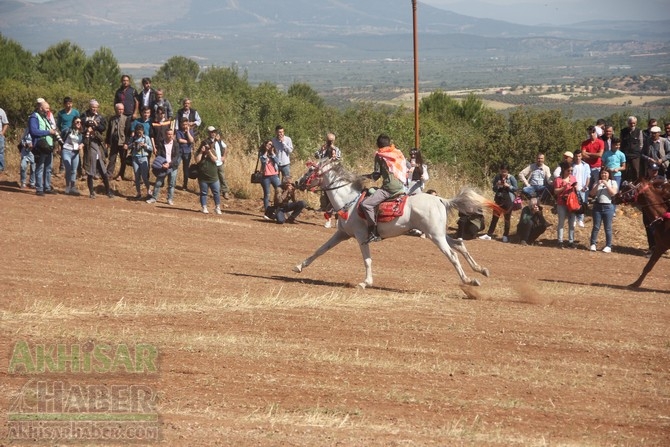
(335, 239)
(655, 256)
(367, 260)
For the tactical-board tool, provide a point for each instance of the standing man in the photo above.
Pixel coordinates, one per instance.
(631, 145)
(592, 152)
(42, 134)
(657, 151)
(64, 119)
(607, 137)
(117, 139)
(191, 115)
(391, 166)
(4, 124)
(147, 96)
(284, 146)
(185, 138)
(164, 103)
(127, 96)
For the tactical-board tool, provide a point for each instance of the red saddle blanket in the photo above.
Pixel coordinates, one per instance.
(388, 210)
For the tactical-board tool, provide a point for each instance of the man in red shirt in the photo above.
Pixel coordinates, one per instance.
(592, 151)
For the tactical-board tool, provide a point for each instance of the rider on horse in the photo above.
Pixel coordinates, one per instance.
(391, 166)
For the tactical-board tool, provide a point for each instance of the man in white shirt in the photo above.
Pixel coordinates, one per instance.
(4, 124)
(284, 146)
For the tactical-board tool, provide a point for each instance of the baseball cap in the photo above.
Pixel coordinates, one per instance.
(211, 129)
(568, 154)
(655, 129)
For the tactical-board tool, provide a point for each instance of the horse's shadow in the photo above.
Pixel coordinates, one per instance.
(315, 282)
(608, 286)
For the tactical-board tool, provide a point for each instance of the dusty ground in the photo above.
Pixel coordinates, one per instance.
(554, 350)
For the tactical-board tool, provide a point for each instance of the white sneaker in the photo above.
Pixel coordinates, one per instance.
(67, 190)
(580, 223)
(593, 247)
(485, 237)
(505, 239)
(607, 250)
(151, 200)
(204, 210)
(170, 202)
(217, 210)
(328, 224)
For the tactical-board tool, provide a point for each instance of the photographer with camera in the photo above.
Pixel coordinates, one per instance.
(94, 153)
(208, 177)
(331, 152)
(603, 209)
(563, 185)
(270, 169)
(43, 134)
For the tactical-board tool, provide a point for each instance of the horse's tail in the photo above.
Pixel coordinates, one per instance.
(468, 201)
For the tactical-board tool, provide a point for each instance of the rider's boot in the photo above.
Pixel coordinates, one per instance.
(373, 236)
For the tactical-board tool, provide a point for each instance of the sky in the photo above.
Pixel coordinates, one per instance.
(538, 12)
(556, 12)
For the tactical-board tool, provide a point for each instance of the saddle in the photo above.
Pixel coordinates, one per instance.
(387, 210)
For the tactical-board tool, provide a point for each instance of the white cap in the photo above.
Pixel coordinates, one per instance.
(211, 129)
(655, 129)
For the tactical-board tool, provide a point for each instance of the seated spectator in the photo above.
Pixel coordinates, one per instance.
(535, 177)
(286, 208)
(469, 225)
(531, 223)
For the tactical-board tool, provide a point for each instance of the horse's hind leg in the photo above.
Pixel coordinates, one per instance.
(335, 239)
(444, 247)
(459, 246)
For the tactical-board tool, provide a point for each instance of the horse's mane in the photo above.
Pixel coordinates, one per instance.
(356, 180)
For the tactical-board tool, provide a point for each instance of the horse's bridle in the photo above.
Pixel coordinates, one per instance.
(317, 175)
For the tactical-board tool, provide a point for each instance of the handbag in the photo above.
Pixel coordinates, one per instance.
(517, 204)
(572, 201)
(257, 176)
(43, 147)
(194, 171)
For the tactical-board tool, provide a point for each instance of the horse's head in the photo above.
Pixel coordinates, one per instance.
(313, 178)
(627, 193)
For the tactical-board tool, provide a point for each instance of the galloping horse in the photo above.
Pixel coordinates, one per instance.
(423, 212)
(653, 203)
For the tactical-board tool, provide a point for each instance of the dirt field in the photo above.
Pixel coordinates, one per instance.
(555, 350)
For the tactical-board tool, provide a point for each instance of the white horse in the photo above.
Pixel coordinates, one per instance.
(424, 212)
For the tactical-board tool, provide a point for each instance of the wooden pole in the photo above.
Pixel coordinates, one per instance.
(416, 78)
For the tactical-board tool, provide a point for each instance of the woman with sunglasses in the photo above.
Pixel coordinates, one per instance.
(73, 142)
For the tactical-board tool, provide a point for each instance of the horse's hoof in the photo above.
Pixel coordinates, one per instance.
(475, 282)
(362, 285)
(297, 268)
(486, 272)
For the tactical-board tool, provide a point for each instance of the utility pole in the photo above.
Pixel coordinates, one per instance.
(416, 78)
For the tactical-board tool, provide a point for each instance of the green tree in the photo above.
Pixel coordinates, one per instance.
(306, 93)
(15, 62)
(102, 70)
(63, 62)
(178, 68)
